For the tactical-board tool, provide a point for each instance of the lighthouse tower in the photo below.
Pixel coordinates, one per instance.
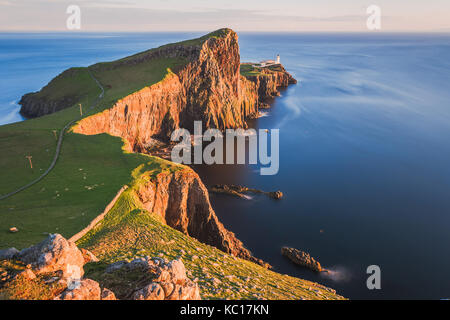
(278, 59)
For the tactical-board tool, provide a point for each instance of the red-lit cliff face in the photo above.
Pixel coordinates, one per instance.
(182, 201)
(209, 88)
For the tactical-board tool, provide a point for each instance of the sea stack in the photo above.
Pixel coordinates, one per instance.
(302, 258)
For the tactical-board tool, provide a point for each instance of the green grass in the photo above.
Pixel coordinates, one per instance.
(74, 82)
(21, 288)
(247, 70)
(90, 171)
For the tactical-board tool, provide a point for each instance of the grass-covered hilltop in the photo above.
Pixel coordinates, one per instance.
(162, 209)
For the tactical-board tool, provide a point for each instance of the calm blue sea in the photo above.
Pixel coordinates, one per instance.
(364, 150)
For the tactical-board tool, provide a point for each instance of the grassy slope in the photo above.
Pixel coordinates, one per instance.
(89, 172)
(247, 70)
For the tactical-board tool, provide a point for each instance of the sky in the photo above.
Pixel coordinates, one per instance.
(240, 15)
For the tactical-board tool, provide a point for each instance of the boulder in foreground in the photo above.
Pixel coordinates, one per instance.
(54, 254)
(54, 269)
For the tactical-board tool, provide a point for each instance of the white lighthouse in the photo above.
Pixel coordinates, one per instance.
(278, 59)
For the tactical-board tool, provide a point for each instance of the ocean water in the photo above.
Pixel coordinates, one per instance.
(364, 150)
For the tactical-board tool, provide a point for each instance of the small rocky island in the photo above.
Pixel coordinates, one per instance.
(302, 258)
(240, 191)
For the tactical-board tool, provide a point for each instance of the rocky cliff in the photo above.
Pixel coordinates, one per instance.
(209, 88)
(269, 80)
(182, 200)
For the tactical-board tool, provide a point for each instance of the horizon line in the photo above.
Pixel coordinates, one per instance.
(237, 31)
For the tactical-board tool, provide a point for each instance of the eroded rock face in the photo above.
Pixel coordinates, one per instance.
(153, 291)
(270, 81)
(182, 200)
(302, 258)
(137, 117)
(209, 88)
(54, 254)
(107, 295)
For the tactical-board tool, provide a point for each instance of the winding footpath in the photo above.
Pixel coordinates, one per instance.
(58, 146)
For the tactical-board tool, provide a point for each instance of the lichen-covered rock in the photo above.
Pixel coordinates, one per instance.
(53, 254)
(302, 259)
(188, 291)
(107, 295)
(153, 291)
(86, 289)
(8, 254)
(177, 271)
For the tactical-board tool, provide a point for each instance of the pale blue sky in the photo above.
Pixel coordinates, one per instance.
(243, 15)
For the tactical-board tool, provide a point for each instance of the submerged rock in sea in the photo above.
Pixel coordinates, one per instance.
(302, 258)
(276, 195)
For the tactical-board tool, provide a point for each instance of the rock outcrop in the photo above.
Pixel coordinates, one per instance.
(86, 289)
(54, 254)
(302, 259)
(51, 259)
(182, 200)
(269, 80)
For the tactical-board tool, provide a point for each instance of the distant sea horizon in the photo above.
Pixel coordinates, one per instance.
(364, 149)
